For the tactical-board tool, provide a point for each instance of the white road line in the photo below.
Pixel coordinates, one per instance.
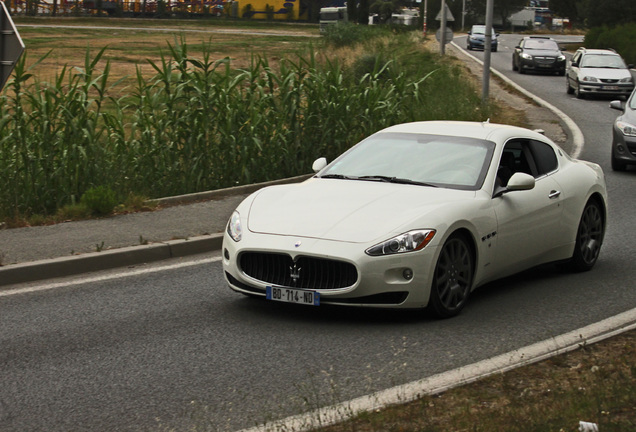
(454, 378)
(111, 276)
(577, 136)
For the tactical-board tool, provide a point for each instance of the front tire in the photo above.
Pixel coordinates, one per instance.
(453, 278)
(617, 165)
(577, 91)
(589, 237)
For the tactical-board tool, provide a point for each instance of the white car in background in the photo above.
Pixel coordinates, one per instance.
(418, 215)
(598, 72)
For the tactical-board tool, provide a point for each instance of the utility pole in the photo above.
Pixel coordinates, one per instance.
(487, 52)
(442, 41)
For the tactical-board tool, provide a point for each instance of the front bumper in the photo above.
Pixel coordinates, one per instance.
(547, 64)
(479, 44)
(623, 147)
(380, 283)
(606, 89)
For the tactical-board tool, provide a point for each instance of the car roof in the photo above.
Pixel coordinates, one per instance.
(480, 130)
(599, 51)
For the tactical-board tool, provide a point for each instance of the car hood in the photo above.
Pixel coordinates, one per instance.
(601, 73)
(348, 210)
(543, 53)
(481, 36)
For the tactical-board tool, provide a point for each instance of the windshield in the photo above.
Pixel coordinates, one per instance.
(543, 44)
(481, 30)
(603, 61)
(428, 160)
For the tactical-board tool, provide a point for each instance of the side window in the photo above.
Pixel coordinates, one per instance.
(515, 158)
(544, 157)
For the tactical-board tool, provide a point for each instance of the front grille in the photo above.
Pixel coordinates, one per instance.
(609, 81)
(545, 60)
(306, 272)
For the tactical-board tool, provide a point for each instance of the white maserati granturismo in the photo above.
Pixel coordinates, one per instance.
(417, 216)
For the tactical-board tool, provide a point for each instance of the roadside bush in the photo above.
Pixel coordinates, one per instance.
(99, 200)
(348, 34)
(198, 124)
(620, 38)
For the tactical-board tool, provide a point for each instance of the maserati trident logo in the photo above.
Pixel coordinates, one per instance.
(294, 273)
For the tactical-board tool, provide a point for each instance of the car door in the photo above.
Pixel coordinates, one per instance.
(528, 221)
(573, 70)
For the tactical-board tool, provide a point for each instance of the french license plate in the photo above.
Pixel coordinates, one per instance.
(610, 87)
(292, 295)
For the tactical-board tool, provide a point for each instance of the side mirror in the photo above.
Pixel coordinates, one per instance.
(319, 164)
(520, 181)
(617, 105)
(469, 32)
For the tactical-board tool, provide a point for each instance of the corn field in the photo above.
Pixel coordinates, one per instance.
(199, 124)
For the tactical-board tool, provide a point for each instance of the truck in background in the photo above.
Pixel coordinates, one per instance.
(332, 15)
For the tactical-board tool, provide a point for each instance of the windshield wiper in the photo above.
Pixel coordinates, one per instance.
(396, 180)
(338, 176)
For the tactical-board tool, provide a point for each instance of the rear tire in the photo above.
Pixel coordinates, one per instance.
(589, 237)
(453, 278)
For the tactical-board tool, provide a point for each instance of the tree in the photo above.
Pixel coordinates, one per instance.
(352, 11)
(363, 12)
(571, 9)
(610, 13)
(384, 9)
(502, 9)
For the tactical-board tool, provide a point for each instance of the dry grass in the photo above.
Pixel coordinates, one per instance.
(595, 384)
(128, 49)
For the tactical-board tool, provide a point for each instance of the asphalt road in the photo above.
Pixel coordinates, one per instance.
(160, 348)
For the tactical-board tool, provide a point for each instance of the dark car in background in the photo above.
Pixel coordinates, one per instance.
(539, 54)
(477, 37)
(598, 72)
(624, 134)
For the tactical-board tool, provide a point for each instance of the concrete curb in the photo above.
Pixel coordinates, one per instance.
(439, 383)
(133, 255)
(108, 259)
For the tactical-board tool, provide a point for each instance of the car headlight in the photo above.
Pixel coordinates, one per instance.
(589, 79)
(234, 228)
(407, 242)
(526, 56)
(626, 80)
(561, 58)
(626, 128)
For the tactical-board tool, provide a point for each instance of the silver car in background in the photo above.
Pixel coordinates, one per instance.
(624, 134)
(598, 72)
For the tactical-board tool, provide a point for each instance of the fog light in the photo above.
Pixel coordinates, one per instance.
(620, 148)
(407, 274)
(226, 254)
